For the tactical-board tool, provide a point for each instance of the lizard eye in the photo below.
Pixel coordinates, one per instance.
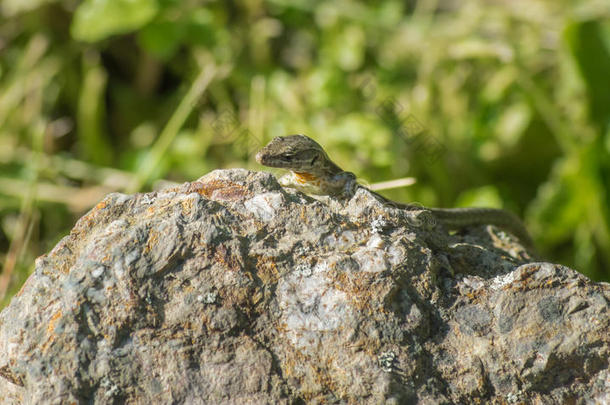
(314, 160)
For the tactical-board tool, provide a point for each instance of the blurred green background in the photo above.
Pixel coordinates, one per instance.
(490, 103)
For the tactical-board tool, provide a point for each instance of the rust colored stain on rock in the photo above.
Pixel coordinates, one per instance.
(54, 318)
(219, 190)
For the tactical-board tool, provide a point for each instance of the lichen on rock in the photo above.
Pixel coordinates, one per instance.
(232, 290)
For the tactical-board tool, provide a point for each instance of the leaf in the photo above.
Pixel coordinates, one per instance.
(166, 34)
(569, 198)
(513, 123)
(591, 53)
(91, 113)
(349, 48)
(162, 38)
(95, 20)
(486, 196)
(11, 8)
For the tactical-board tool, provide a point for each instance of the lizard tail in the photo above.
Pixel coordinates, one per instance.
(456, 218)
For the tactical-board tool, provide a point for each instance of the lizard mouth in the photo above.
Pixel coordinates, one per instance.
(275, 161)
(261, 158)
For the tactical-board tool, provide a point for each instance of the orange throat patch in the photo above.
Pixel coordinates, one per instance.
(303, 178)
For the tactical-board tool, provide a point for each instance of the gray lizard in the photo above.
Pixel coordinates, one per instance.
(313, 172)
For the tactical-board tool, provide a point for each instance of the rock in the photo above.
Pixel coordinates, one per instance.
(232, 290)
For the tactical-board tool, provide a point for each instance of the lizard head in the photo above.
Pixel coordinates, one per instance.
(298, 153)
(312, 170)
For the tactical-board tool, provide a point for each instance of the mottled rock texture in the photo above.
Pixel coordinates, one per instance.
(232, 290)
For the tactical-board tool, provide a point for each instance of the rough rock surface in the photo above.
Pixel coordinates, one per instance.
(232, 290)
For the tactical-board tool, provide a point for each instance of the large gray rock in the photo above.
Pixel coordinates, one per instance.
(232, 290)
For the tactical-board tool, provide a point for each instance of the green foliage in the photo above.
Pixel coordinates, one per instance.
(503, 104)
(95, 20)
(589, 45)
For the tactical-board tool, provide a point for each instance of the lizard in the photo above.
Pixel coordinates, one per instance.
(313, 172)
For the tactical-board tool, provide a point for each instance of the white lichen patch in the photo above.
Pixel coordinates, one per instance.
(97, 295)
(208, 298)
(372, 257)
(474, 282)
(98, 271)
(502, 280)
(343, 241)
(303, 270)
(147, 199)
(375, 242)
(396, 254)
(172, 195)
(264, 206)
(117, 225)
(372, 261)
(121, 198)
(311, 307)
(378, 223)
